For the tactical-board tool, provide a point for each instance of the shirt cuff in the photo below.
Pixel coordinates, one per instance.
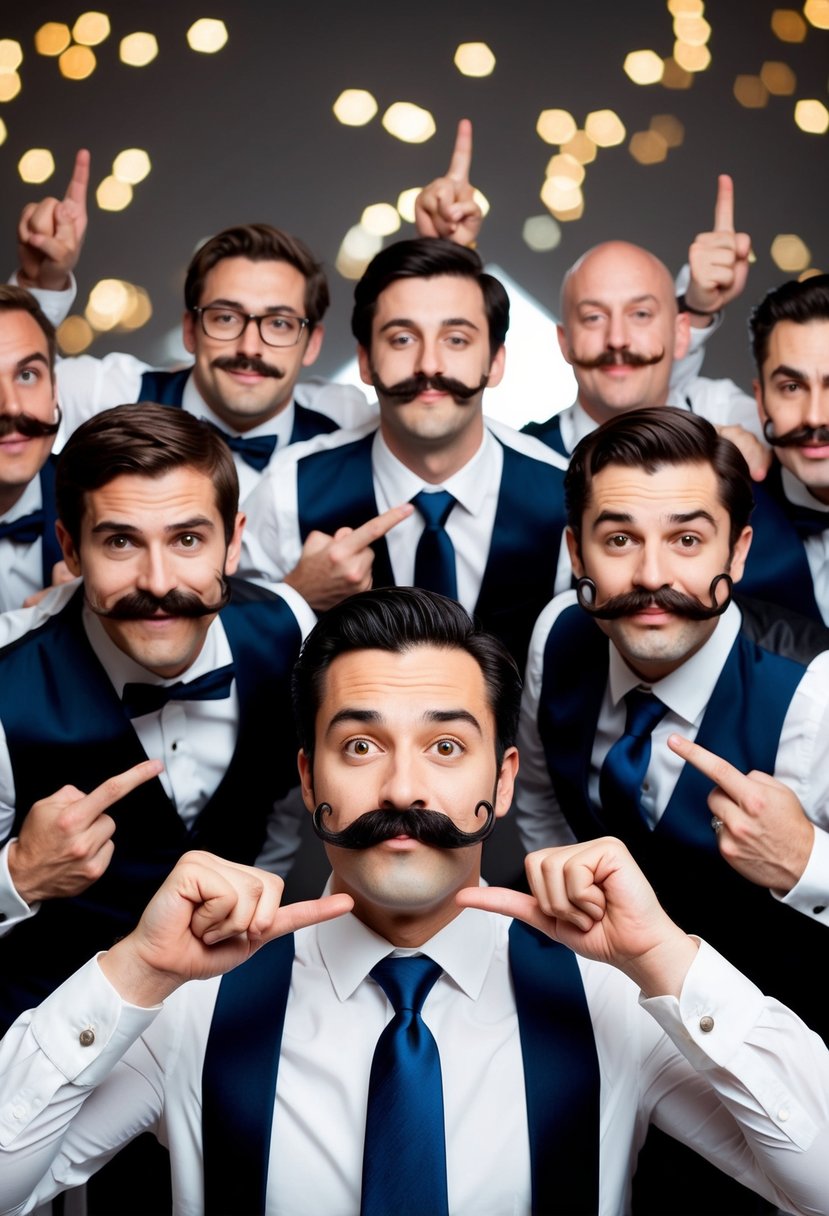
(811, 894)
(13, 909)
(55, 304)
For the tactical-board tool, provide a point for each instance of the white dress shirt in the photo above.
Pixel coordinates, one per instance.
(771, 1073)
(817, 545)
(272, 543)
(21, 565)
(195, 739)
(802, 761)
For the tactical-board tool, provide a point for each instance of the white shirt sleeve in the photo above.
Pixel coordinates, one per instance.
(55, 304)
(87, 385)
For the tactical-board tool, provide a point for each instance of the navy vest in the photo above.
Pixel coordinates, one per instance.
(65, 726)
(335, 489)
(561, 1077)
(774, 945)
(548, 432)
(167, 388)
(49, 548)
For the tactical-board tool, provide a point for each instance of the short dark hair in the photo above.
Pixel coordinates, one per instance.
(425, 258)
(649, 439)
(397, 619)
(145, 440)
(260, 243)
(17, 299)
(796, 301)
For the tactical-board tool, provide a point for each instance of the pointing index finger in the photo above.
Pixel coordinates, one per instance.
(76, 190)
(115, 788)
(461, 161)
(373, 529)
(724, 207)
(729, 779)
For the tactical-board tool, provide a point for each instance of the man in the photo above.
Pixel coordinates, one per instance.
(430, 327)
(29, 420)
(790, 340)
(156, 655)
(658, 510)
(287, 1072)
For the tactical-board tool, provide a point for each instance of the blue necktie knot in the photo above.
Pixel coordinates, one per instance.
(644, 710)
(626, 764)
(434, 506)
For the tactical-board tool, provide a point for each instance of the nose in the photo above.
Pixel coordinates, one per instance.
(400, 786)
(430, 358)
(156, 573)
(9, 397)
(618, 337)
(817, 413)
(249, 341)
(651, 570)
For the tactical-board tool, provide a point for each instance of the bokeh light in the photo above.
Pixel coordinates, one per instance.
(91, 28)
(644, 67)
(648, 147)
(408, 122)
(52, 38)
(556, 126)
(605, 128)
(474, 59)
(113, 195)
(788, 25)
(380, 219)
(36, 166)
(790, 253)
(541, 233)
(77, 62)
(812, 116)
(138, 49)
(751, 92)
(406, 203)
(75, 335)
(355, 107)
(132, 165)
(207, 35)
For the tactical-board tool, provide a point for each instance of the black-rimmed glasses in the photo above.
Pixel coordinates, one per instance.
(275, 328)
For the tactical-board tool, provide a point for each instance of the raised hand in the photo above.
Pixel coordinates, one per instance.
(50, 233)
(765, 834)
(593, 897)
(719, 260)
(65, 842)
(447, 207)
(207, 917)
(331, 568)
(757, 455)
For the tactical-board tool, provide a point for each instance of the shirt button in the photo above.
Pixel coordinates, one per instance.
(173, 747)
(820, 908)
(19, 1112)
(706, 1024)
(86, 1038)
(783, 1115)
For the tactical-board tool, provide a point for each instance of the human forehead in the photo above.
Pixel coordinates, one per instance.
(431, 303)
(618, 273)
(407, 689)
(654, 498)
(180, 496)
(20, 336)
(255, 286)
(799, 347)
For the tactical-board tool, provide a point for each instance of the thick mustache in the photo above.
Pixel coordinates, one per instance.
(248, 363)
(26, 425)
(143, 605)
(617, 358)
(666, 598)
(429, 827)
(799, 437)
(406, 390)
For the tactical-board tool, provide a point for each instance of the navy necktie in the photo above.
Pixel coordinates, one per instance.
(23, 530)
(625, 766)
(404, 1157)
(141, 699)
(435, 556)
(255, 451)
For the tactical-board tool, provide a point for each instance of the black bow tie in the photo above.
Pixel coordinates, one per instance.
(807, 520)
(255, 451)
(141, 699)
(23, 530)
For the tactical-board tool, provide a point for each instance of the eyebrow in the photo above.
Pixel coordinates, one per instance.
(408, 323)
(678, 517)
(187, 525)
(34, 357)
(352, 714)
(794, 373)
(239, 307)
(603, 303)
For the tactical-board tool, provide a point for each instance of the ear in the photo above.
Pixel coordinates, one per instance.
(575, 553)
(738, 558)
(314, 346)
(496, 371)
(306, 780)
(188, 332)
(682, 335)
(364, 362)
(70, 554)
(506, 781)
(234, 548)
(564, 345)
(757, 385)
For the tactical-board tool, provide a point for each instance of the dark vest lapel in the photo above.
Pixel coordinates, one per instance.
(167, 388)
(549, 433)
(777, 568)
(309, 423)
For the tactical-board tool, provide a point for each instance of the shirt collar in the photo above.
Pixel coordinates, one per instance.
(576, 423)
(122, 670)
(798, 493)
(463, 949)
(281, 425)
(30, 500)
(469, 485)
(686, 691)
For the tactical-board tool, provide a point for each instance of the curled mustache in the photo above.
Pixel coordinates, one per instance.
(143, 605)
(26, 425)
(610, 358)
(429, 827)
(248, 363)
(406, 390)
(799, 437)
(666, 598)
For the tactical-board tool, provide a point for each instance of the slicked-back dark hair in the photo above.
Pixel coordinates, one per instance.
(792, 301)
(260, 243)
(398, 619)
(17, 299)
(649, 439)
(145, 440)
(425, 258)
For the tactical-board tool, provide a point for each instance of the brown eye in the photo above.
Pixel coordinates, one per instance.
(446, 747)
(360, 747)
